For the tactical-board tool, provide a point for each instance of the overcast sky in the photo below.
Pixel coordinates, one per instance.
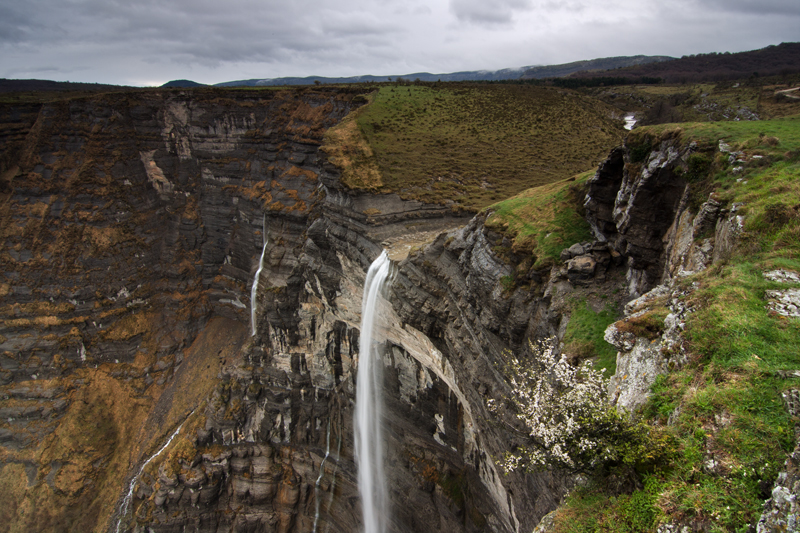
(149, 42)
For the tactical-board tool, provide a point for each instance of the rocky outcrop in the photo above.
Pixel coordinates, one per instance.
(781, 510)
(649, 344)
(640, 202)
(647, 195)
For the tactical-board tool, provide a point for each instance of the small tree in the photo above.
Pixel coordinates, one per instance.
(568, 423)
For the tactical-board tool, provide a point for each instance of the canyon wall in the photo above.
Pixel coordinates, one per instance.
(133, 226)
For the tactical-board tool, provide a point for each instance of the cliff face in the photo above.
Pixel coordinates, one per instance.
(640, 202)
(131, 224)
(133, 227)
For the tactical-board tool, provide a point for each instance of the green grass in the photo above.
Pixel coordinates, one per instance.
(628, 513)
(477, 144)
(726, 404)
(584, 336)
(747, 135)
(543, 220)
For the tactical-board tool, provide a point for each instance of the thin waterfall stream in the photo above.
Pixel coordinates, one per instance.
(254, 289)
(123, 509)
(369, 403)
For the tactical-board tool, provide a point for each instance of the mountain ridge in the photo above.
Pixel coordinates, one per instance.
(540, 71)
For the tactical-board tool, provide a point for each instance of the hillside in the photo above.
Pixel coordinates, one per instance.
(541, 71)
(590, 66)
(773, 60)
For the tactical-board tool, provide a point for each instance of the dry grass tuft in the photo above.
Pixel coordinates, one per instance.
(348, 149)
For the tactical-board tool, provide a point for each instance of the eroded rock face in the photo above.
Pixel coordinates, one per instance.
(472, 322)
(646, 198)
(133, 227)
(129, 221)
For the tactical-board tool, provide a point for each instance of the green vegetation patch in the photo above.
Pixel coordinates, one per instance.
(764, 137)
(543, 220)
(584, 336)
(477, 144)
(628, 513)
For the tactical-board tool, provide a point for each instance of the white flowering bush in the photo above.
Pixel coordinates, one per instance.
(566, 417)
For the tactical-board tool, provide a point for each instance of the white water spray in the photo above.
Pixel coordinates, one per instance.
(368, 438)
(254, 290)
(123, 509)
(319, 479)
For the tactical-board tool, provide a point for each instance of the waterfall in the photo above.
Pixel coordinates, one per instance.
(368, 445)
(254, 290)
(123, 509)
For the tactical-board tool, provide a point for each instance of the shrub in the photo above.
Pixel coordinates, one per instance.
(698, 167)
(568, 422)
(640, 151)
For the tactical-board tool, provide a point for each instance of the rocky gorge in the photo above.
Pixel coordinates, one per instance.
(133, 226)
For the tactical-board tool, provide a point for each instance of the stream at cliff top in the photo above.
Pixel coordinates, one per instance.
(254, 290)
(368, 437)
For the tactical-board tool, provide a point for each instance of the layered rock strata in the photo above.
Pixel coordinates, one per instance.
(132, 230)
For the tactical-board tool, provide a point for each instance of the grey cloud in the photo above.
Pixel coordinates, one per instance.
(761, 7)
(201, 32)
(488, 12)
(16, 23)
(358, 24)
(210, 41)
(562, 5)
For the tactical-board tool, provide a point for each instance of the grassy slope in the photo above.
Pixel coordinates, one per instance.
(543, 220)
(726, 404)
(476, 144)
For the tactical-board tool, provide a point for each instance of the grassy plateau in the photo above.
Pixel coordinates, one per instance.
(471, 145)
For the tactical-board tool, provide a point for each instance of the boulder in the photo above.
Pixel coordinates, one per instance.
(581, 269)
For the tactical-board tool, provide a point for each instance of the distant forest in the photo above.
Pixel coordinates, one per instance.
(775, 60)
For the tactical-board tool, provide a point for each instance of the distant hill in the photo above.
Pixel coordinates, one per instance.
(469, 75)
(773, 60)
(183, 84)
(13, 86)
(601, 64)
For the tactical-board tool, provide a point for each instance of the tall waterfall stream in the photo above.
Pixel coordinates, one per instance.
(369, 403)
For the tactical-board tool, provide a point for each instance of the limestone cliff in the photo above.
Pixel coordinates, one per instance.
(133, 226)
